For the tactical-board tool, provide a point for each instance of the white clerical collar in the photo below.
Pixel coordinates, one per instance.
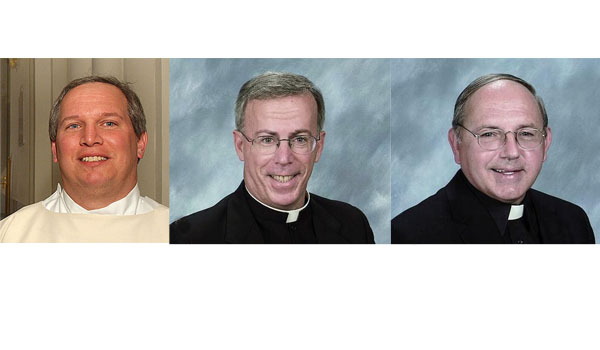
(516, 212)
(61, 202)
(292, 214)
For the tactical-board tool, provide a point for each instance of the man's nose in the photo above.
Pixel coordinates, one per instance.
(90, 136)
(510, 150)
(284, 154)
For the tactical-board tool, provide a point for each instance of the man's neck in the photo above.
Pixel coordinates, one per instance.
(96, 198)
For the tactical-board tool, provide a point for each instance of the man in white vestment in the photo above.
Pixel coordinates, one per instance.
(98, 135)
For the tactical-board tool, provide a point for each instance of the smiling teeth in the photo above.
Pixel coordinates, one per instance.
(93, 159)
(504, 172)
(282, 178)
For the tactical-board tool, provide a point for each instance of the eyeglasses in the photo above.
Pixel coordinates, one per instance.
(299, 144)
(493, 139)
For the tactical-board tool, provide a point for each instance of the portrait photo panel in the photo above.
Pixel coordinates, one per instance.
(355, 163)
(424, 92)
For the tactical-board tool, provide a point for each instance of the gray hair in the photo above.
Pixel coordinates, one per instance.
(463, 98)
(134, 106)
(271, 85)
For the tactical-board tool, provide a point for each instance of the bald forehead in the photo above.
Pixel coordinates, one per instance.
(503, 96)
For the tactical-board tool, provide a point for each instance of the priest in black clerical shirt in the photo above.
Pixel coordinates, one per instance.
(279, 136)
(512, 221)
(500, 138)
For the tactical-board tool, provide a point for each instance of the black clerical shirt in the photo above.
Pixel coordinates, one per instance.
(522, 230)
(273, 224)
(458, 213)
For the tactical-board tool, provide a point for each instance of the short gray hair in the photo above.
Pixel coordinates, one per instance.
(463, 98)
(134, 106)
(271, 85)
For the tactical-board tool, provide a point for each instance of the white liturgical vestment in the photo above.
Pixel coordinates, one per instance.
(59, 219)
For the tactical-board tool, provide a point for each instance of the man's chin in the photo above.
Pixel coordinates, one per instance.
(95, 183)
(286, 202)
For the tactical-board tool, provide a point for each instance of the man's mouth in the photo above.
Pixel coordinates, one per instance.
(282, 178)
(93, 159)
(507, 171)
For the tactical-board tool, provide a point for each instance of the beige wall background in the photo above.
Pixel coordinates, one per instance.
(150, 80)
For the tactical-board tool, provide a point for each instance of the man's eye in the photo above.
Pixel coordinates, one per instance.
(266, 140)
(110, 124)
(300, 140)
(527, 133)
(489, 134)
(73, 126)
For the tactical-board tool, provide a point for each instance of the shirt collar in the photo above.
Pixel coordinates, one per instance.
(292, 215)
(61, 202)
(516, 212)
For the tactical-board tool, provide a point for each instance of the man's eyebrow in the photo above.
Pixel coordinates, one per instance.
(266, 131)
(293, 133)
(488, 127)
(67, 119)
(530, 125)
(301, 131)
(77, 116)
(521, 126)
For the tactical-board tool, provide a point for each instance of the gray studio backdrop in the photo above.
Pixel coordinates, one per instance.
(354, 166)
(423, 95)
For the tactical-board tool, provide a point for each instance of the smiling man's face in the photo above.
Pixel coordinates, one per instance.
(279, 179)
(96, 146)
(507, 173)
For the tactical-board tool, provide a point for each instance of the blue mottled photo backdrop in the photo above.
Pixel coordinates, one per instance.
(354, 166)
(423, 95)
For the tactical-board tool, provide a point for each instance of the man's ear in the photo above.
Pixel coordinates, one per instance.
(141, 145)
(239, 143)
(320, 145)
(547, 142)
(454, 141)
(54, 155)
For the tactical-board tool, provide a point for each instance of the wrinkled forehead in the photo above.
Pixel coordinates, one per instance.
(282, 114)
(502, 100)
